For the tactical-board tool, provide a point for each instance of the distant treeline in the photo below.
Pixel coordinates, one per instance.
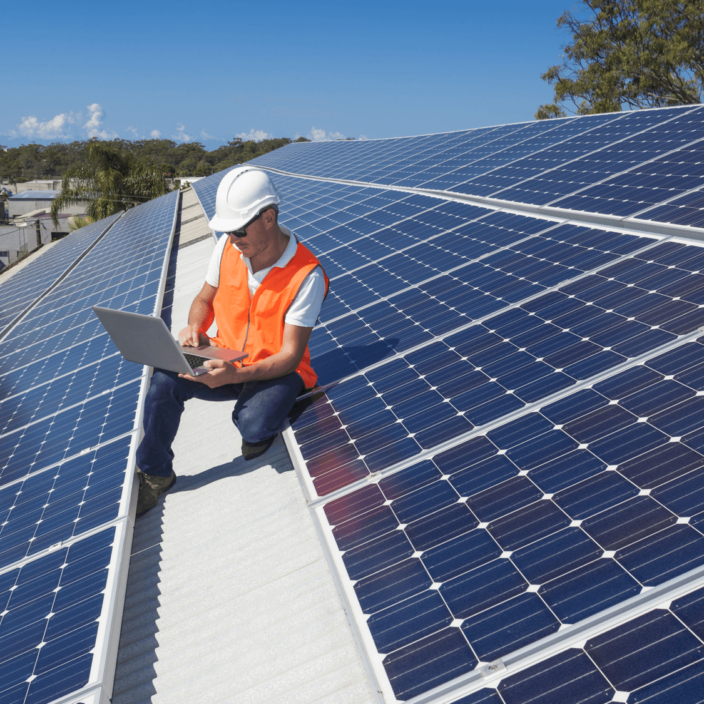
(39, 161)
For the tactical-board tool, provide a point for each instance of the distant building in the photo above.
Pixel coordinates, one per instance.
(26, 202)
(44, 185)
(18, 240)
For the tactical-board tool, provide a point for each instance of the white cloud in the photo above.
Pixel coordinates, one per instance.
(205, 135)
(181, 134)
(362, 137)
(134, 131)
(318, 135)
(254, 135)
(59, 126)
(95, 122)
(155, 134)
(32, 127)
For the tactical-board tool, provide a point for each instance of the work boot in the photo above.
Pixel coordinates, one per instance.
(251, 451)
(151, 487)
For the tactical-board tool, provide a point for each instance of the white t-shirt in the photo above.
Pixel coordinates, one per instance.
(305, 309)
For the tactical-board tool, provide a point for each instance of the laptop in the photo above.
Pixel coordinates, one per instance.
(145, 339)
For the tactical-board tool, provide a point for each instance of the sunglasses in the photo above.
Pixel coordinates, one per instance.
(242, 232)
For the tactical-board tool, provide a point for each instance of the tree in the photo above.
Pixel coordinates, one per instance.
(52, 160)
(629, 53)
(77, 222)
(111, 180)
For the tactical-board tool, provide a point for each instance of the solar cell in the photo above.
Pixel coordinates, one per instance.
(563, 130)
(473, 377)
(684, 210)
(460, 152)
(47, 419)
(649, 183)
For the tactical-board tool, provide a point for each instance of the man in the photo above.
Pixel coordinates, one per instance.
(264, 290)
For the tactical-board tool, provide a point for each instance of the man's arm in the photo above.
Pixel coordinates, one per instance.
(200, 318)
(280, 364)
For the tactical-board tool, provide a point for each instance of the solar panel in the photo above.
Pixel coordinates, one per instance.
(506, 455)
(574, 139)
(54, 632)
(544, 521)
(20, 291)
(69, 409)
(656, 656)
(648, 163)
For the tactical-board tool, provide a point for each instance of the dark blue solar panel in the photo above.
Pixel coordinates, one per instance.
(685, 210)
(650, 183)
(595, 156)
(68, 407)
(485, 162)
(544, 521)
(467, 153)
(46, 419)
(445, 179)
(444, 389)
(436, 161)
(655, 657)
(50, 620)
(64, 391)
(497, 522)
(54, 506)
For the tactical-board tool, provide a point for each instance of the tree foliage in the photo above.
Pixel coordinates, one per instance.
(77, 222)
(38, 161)
(111, 180)
(629, 53)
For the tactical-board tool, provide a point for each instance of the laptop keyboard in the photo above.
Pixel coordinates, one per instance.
(194, 360)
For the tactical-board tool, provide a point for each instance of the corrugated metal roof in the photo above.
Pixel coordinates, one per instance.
(229, 595)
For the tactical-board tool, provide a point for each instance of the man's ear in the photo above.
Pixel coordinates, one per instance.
(269, 217)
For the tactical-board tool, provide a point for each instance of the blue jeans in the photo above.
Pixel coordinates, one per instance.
(259, 412)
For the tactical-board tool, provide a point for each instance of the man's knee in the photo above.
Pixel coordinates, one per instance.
(263, 408)
(253, 426)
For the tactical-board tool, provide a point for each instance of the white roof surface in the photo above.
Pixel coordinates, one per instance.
(229, 597)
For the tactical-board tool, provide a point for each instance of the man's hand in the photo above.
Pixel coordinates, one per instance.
(199, 318)
(191, 336)
(220, 373)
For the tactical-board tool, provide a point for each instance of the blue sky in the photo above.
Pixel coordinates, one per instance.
(209, 70)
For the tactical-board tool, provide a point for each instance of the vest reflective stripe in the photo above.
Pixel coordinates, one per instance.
(257, 325)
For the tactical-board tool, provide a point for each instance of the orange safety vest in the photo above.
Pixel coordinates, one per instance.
(256, 325)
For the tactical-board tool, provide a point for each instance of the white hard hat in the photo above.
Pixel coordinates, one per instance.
(242, 193)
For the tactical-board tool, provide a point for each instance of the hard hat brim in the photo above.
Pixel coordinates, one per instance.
(226, 224)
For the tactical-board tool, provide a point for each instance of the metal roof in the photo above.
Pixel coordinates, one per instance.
(35, 195)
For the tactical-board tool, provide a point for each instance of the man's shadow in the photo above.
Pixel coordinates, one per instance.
(235, 468)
